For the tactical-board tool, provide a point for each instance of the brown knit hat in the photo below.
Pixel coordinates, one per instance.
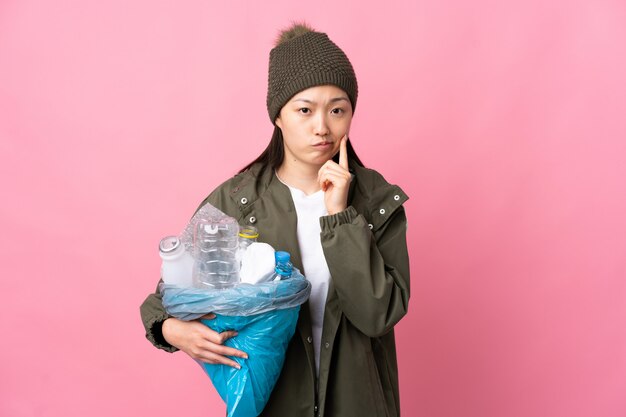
(302, 59)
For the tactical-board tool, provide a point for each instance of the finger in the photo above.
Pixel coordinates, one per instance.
(320, 180)
(330, 167)
(343, 152)
(321, 170)
(228, 334)
(330, 177)
(216, 359)
(220, 338)
(336, 168)
(227, 351)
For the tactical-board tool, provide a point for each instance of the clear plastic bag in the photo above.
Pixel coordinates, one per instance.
(265, 317)
(240, 300)
(205, 214)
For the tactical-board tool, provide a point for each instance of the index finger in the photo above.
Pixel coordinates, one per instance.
(343, 152)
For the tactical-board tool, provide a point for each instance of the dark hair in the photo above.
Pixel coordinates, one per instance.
(274, 154)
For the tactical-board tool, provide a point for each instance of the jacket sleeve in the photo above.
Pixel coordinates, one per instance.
(370, 271)
(153, 315)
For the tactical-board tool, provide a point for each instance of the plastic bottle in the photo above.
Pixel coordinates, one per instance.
(283, 267)
(247, 236)
(177, 263)
(215, 251)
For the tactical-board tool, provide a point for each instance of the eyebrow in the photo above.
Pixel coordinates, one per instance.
(333, 100)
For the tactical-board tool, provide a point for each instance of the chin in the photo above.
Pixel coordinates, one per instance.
(319, 161)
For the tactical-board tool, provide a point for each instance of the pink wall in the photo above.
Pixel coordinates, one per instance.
(504, 123)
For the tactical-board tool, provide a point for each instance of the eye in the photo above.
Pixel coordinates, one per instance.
(337, 110)
(304, 110)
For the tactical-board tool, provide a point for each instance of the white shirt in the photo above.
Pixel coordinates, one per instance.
(309, 209)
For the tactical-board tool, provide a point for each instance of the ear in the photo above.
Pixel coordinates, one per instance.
(279, 122)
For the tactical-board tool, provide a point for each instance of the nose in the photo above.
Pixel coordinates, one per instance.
(321, 124)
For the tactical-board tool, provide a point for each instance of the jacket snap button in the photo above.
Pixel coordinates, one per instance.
(382, 211)
(252, 219)
(326, 345)
(371, 226)
(309, 339)
(396, 197)
(244, 200)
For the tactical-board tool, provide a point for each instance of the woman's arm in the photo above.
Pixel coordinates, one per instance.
(153, 315)
(370, 271)
(192, 337)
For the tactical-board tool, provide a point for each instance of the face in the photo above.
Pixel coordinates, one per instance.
(313, 123)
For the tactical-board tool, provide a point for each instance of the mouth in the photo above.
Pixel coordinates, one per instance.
(323, 144)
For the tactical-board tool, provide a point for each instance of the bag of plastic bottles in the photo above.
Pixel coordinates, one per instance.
(264, 315)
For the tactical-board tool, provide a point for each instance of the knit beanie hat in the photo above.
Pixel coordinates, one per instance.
(302, 59)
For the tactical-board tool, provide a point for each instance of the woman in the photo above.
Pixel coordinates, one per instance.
(345, 228)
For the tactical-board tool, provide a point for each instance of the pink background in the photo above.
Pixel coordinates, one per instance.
(505, 123)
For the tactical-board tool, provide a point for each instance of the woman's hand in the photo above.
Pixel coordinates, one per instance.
(201, 342)
(335, 180)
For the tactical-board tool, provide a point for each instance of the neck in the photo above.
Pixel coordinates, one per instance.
(300, 176)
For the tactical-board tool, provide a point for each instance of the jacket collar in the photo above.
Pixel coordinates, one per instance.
(374, 196)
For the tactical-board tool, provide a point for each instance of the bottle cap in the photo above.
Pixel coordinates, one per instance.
(169, 244)
(248, 232)
(282, 256)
